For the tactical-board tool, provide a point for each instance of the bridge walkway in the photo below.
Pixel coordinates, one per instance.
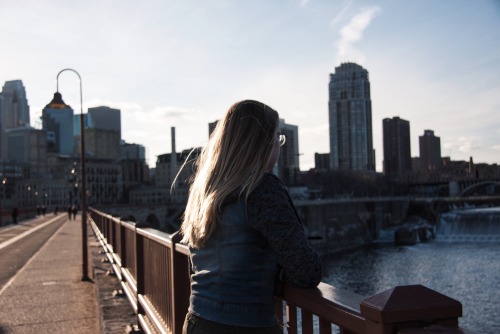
(47, 295)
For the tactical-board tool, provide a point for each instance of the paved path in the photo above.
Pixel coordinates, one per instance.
(47, 295)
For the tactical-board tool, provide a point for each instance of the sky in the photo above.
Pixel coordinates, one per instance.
(183, 63)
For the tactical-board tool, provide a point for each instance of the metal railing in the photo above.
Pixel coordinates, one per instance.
(152, 267)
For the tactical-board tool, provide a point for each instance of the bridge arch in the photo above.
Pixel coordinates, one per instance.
(476, 186)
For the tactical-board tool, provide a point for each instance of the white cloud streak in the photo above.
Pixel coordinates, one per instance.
(341, 13)
(353, 32)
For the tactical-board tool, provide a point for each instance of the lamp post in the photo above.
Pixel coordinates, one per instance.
(85, 276)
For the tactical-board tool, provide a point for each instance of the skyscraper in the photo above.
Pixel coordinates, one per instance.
(350, 118)
(15, 108)
(57, 120)
(430, 151)
(102, 132)
(14, 111)
(397, 150)
(105, 118)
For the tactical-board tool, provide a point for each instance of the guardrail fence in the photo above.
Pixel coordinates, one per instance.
(152, 267)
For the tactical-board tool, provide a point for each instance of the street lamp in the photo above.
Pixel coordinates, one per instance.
(85, 276)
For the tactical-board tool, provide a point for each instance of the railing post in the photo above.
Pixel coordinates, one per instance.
(411, 306)
(139, 267)
(123, 246)
(181, 284)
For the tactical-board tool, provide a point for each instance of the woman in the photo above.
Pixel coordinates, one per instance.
(242, 229)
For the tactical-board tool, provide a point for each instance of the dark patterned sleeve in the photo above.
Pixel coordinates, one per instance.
(271, 212)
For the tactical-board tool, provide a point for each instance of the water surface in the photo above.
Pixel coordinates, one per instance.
(468, 272)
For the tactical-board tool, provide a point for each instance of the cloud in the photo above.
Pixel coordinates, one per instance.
(341, 13)
(303, 3)
(353, 32)
(173, 112)
(465, 144)
(142, 114)
(469, 144)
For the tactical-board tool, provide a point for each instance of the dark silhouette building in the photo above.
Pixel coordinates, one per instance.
(350, 117)
(397, 150)
(430, 151)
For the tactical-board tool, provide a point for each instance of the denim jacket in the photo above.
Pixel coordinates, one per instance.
(233, 275)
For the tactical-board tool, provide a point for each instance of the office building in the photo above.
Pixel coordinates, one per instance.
(105, 118)
(102, 133)
(57, 121)
(102, 144)
(132, 151)
(430, 151)
(287, 166)
(167, 167)
(27, 146)
(350, 119)
(15, 108)
(14, 111)
(135, 170)
(322, 161)
(104, 181)
(397, 150)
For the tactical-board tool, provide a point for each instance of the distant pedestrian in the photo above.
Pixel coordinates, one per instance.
(75, 211)
(69, 212)
(15, 213)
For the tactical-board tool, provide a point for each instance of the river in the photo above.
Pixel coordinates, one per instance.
(455, 264)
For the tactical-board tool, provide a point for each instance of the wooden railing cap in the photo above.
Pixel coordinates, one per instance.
(408, 303)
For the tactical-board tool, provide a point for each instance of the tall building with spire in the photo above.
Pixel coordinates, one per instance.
(350, 119)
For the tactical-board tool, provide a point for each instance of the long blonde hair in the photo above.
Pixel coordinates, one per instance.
(236, 156)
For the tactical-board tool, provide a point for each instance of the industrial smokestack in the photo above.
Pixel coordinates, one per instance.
(173, 138)
(173, 157)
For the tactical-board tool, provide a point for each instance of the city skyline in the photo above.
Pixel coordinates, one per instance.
(436, 65)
